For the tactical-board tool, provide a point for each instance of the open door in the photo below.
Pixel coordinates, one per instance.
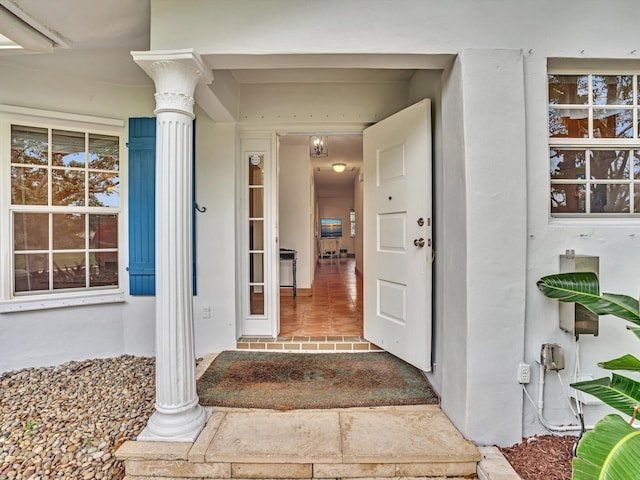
(397, 234)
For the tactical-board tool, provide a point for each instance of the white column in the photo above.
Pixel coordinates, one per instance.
(178, 415)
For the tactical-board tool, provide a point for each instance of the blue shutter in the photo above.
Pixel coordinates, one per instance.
(142, 206)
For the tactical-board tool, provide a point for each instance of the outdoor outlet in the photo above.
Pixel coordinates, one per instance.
(552, 356)
(206, 312)
(524, 373)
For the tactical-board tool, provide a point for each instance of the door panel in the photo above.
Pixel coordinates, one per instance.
(397, 246)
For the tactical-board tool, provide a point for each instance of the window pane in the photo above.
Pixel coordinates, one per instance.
(104, 232)
(256, 169)
(68, 187)
(104, 189)
(567, 198)
(256, 202)
(636, 198)
(104, 152)
(567, 163)
(568, 89)
(256, 268)
(103, 269)
(30, 231)
(636, 164)
(612, 89)
(565, 122)
(31, 272)
(68, 149)
(29, 145)
(256, 235)
(256, 300)
(68, 231)
(610, 164)
(612, 123)
(104, 256)
(69, 271)
(608, 198)
(29, 186)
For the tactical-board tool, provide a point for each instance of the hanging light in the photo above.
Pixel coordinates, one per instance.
(339, 167)
(318, 146)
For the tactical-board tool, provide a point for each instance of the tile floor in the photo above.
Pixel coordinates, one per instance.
(333, 309)
(330, 319)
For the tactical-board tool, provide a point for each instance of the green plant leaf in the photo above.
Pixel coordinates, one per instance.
(619, 392)
(583, 288)
(609, 452)
(627, 362)
(635, 331)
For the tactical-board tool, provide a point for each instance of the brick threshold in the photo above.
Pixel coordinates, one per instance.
(303, 343)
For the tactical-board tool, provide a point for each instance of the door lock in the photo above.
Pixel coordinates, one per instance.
(419, 242)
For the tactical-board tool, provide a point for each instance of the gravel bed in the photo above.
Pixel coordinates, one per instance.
(67, 421)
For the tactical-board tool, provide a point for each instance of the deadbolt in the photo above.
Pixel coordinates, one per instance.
(420, 221)
(419, 242)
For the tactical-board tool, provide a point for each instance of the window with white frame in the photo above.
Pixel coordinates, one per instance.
(594, 144)
(64, 210)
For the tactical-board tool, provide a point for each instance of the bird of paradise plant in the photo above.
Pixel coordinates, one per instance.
(612, 450)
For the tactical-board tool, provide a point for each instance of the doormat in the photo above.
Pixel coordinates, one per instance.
(287, 381)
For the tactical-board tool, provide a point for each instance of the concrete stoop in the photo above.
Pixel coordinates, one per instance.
(356, 443)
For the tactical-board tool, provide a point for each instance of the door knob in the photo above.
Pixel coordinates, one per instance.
(419, 242)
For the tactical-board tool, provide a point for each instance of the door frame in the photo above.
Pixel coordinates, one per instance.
(255, 134)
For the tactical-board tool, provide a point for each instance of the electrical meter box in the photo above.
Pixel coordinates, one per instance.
(574, 318)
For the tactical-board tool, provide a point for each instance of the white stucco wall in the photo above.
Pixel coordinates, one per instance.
(52, 336)
(494, 235)
(216, 237)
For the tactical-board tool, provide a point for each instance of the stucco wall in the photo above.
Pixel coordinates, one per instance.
(49, 337)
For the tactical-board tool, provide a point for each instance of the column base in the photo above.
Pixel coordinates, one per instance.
(176, 427)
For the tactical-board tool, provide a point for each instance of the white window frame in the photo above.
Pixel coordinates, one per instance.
(13, 115)
(596, 143)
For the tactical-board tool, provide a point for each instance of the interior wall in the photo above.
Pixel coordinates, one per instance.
(338, 207)
(294, 215)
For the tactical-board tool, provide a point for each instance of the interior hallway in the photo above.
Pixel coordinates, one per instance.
(335, 306)
(330, 319)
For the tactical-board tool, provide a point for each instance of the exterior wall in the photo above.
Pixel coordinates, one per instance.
(481, 314)
(294, 218)
(494, 235)
(53, 336)
(216, 236)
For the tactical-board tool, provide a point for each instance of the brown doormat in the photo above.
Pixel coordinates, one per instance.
(286, 381)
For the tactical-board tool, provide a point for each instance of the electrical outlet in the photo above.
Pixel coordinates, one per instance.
(524, 373)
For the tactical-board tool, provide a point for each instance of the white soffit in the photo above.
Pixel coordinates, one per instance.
(25, 32)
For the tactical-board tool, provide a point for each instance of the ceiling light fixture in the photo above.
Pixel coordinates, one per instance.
(339, 167)
(318, 146)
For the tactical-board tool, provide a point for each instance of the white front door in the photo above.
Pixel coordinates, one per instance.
(397, 234)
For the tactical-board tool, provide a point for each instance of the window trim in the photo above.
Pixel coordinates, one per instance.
(9, 302)
(594, 143)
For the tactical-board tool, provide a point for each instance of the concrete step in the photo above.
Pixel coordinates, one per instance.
(356, 443)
